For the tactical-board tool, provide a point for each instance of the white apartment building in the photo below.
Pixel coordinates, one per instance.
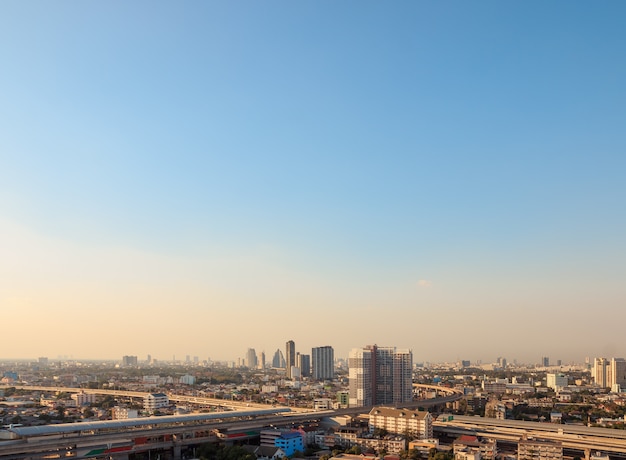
(607, 373)
(556, 381)
(83, 398)
(155, 401)
(187, 379)
(416, 423)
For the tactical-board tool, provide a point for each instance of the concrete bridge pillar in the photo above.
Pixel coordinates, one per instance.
(176, 451)
(587, 454)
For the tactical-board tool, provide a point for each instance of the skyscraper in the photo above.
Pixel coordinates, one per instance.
(607, 373)
(251, 359)
(380, 375)
(601, 370)
(304, 363)
(278, 361)
(323, 362)
(618, 372)
(290, 356)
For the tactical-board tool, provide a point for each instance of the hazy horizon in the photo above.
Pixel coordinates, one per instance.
(201, 178)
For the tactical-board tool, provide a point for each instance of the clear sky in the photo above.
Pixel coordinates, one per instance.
(203, 177)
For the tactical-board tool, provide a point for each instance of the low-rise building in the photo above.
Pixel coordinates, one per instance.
(123, 413)
(289, 443)
(155, 401)
(414, 423)
(539, 450)
(485, 448)
(83, 399)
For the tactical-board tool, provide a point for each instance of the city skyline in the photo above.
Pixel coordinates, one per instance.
(204, 178)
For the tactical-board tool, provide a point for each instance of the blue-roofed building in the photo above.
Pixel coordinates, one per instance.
(289, 442)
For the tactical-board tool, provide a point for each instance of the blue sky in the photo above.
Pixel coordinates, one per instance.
(337, 173)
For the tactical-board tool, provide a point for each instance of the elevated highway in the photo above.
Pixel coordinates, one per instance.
(574, 437)
(215, 402)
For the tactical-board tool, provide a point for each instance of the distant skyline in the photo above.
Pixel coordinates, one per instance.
(201, 178)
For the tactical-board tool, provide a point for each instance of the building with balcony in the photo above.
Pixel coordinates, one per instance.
(380, 375)
(414, 423)
(155, 401)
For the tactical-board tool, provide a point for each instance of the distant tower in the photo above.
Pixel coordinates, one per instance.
(323, 362)
(304, 363)
(129, 361)
(278, 361)
(251, 359)
(545, 361)
(290, 356)
(262, 360)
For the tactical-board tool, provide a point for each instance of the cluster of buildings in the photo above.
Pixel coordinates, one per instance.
(319, 365)
(610, 373)
(388, 429)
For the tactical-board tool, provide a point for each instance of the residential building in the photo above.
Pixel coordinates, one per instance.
(391, 444)
(187, 379)
(155, 401)
(323, 362)
(83, 399)
(380, 375)
(539, 450)
(123, 413)
(289, 443)
(485, 448)
(618, 372)
(601, 371)
(265, 452)
(556, 381)
(414, 423)
(497, 387)
(608, 373)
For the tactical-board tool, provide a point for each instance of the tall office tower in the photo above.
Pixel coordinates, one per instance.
(545, 361)
(278, 361)
(323, 362)
(601, 371)
(290, 356)
(304, 363)
(380, 375)
(251, 359)
(262, 360)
